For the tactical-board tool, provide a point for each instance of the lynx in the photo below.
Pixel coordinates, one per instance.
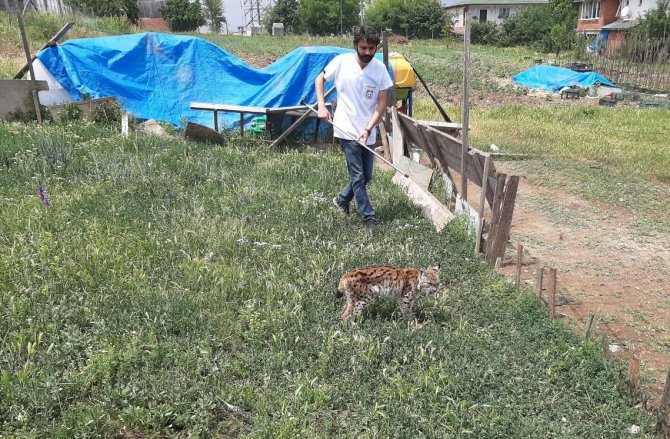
(404, 284)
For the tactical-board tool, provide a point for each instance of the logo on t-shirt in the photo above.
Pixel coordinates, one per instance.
(369, 92)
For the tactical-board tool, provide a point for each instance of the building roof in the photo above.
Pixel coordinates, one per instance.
(455, 3)
(621, 24)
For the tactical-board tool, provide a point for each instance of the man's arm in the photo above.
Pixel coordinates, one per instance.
(382, 98)
(319, 85)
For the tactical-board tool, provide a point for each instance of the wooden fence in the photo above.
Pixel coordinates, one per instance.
(497, 191)
(55, 6)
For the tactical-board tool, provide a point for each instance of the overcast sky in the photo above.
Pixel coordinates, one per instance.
(233, 12)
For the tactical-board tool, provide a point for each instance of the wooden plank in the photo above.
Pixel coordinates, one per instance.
(633, 373)
(662, 426)
(397, 143)
(385, 140)
(551, 289)
(495, 217)
(519, 263)
(589, 325)
(485, 187)
(437, 125)
(538, 281)
(506, 213)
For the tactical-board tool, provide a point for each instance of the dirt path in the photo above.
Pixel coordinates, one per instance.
(604, 268)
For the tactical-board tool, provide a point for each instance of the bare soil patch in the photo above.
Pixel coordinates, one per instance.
(604, 268)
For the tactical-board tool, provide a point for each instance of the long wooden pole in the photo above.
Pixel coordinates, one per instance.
(26, 49)
(466, 103)
(49, 43)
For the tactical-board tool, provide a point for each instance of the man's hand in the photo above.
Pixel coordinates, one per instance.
(363, 138)
(324, 114)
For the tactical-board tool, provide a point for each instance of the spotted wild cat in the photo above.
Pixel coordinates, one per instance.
(361, 285)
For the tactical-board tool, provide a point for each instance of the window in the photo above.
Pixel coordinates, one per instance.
(503, 13)
(591, 10)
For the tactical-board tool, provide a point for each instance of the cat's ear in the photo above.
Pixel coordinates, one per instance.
(422, 272)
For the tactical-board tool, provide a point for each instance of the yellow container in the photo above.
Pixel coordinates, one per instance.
(402, 71)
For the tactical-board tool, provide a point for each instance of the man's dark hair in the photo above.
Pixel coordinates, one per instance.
(367, 33)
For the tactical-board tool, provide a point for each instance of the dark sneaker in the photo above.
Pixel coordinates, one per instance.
(340, 204)
(371, 223)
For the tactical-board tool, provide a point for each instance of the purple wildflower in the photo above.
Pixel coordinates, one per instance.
(247, 219)
(169, 195)
(43, 196)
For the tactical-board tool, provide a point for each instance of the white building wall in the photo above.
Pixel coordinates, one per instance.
(494, 13)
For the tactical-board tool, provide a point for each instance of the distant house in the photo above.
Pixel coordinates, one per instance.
(495, 11)
(609, 20)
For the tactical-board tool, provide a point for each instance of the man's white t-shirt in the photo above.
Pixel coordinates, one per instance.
(357, 92)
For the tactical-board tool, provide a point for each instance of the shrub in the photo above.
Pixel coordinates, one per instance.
(484, 33)
(182, 15)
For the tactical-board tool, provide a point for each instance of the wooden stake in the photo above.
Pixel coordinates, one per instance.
(482, 202)
(519, 261)
(385, 140)
(466, 103)
(552, 293)
(538, 281)
(498, 262)
(633, 373)
(589, 324)
(662, 424)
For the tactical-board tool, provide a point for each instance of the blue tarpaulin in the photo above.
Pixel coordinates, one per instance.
(553, 79)
(157, 76)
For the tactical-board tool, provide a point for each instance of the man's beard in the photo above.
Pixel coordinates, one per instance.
(365, 58)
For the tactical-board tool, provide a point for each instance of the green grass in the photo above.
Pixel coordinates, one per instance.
(169, 279)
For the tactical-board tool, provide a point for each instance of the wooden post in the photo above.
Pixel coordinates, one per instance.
(216, 121)
(26, 49)
(466, 103)
(589, 324)
(662, 423)
(538, 281)
(495, 216)
(552, 293)
(385, 140)
(482, 201)
(241, 124)
(519, 261)
(385, 56)
(502, 229)
(125, 125)
(633, 373)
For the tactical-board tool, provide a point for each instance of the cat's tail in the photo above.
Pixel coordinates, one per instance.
(340, 290)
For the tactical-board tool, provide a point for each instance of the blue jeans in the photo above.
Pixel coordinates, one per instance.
(359, 164)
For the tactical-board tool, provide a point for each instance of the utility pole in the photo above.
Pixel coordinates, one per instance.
(341, 28)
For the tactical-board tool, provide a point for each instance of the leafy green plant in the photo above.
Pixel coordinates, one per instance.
(183, 15)
(69, 112)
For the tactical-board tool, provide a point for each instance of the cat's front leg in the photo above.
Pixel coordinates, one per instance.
(406, 303)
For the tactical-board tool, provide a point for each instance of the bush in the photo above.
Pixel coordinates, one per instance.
(484, 33)
(182, 15)
(546, 28)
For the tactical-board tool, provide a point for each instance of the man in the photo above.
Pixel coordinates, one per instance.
(362, 84)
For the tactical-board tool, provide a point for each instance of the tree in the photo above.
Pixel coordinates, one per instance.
(182, 15)
(656, 24)
(412, 18)
(284, 11)
(213, 14)
(107, 8)
(322, 17)
(548, 27)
